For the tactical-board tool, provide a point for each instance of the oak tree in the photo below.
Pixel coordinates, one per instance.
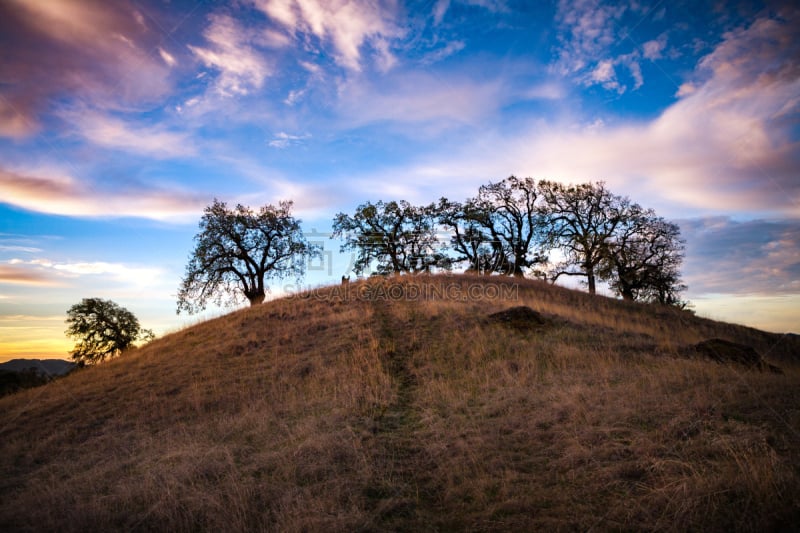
(103, 330)
(397, 236)
(581, 220)
(238, 250)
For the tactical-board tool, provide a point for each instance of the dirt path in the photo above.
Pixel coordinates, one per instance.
(403, 494)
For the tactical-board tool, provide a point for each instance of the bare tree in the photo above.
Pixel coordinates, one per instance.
(237, 250)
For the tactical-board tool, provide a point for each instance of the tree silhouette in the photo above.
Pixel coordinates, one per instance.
(103, 329)
(472, 242)
(500, 230)
(398, 236)
(582, 218)
(237, 250)
(643, 258)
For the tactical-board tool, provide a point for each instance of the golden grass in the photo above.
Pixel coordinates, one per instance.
(380, 409)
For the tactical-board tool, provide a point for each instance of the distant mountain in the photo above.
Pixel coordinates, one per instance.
(45, 367)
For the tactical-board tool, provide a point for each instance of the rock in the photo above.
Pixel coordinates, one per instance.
(723, 351)
(521, 318)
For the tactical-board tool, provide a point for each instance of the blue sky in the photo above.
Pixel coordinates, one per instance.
(120, 121)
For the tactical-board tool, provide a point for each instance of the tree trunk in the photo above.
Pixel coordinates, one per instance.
(256, 299)
(590, 279)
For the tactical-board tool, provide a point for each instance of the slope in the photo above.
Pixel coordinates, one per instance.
(398, 405)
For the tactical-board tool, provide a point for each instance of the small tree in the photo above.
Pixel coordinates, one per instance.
(398, 236)
(237, 250)
(103, 329)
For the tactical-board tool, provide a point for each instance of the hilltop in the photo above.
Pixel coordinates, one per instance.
(410, 404)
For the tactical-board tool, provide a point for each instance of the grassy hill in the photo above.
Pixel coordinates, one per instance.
(400, 405)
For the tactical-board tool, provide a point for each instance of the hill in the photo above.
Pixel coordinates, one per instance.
(45, 367)
(18, 374)
(403, 404)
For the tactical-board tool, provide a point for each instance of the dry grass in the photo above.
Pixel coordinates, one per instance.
(374, 411)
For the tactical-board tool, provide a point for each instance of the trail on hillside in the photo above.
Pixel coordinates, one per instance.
(403, 492)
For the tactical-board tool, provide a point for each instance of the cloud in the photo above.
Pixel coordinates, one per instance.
(23, 249)
(285, 140)
(495, 6)
(168, 58)
(652, 50)
(730, 144)
(756, 257)
(20, 275)
(62, 194)
(347, 26)
(453, 47)
(49, 273)
(116, 271)
(242, 68)
(418, 98)
(87, 49)
(439, 11)
(589, 30)
(113, 133)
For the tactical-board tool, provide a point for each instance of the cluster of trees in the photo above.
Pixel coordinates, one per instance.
(514, 227)
(520, 226)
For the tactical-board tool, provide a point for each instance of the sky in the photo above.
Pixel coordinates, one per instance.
(120, 121)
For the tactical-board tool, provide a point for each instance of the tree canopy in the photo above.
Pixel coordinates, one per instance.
(506, 217)
(514, 226)
(103, 329)
(581, 220)
(397, 236)
(237, 250)
(643, 257)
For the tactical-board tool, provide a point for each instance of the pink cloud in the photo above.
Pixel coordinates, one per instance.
(230, 51)
(21, 275)
(64, 195)
(348, 26)
(101, 51)
(109, 132)
(727, 144)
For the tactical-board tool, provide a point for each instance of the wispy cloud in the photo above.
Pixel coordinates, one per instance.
(285, 140)
(65, 195)
(347, 26)
(20, 275)
(114, 133)
(22, 249)
(83, 49)
(231, 51)
(756, 257)
(591, 34)
(55, 270)
(413, 97)
(452, 47)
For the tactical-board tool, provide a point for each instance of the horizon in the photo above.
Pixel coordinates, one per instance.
(120, 122)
